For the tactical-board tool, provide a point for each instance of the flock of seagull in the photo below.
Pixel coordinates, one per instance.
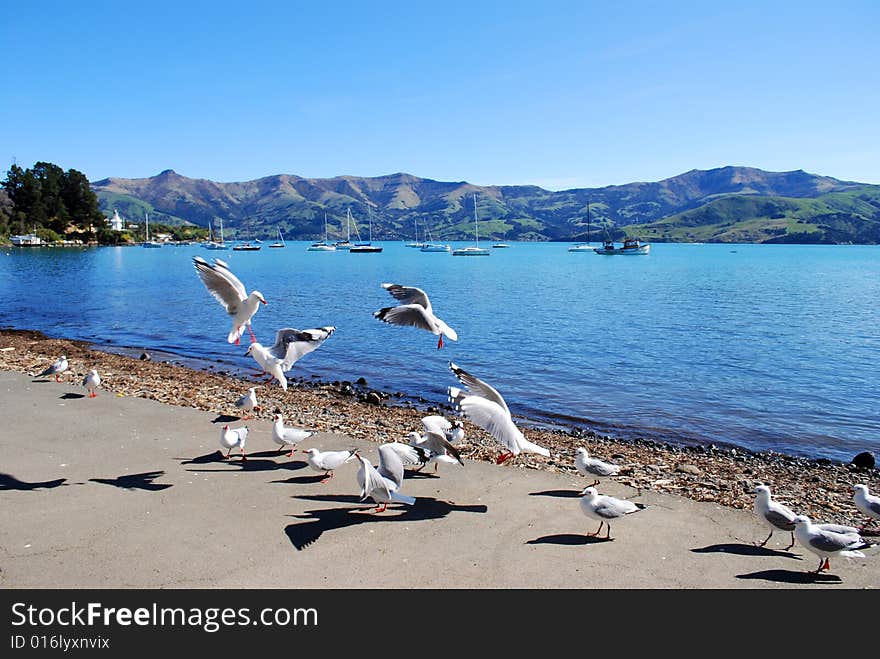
(478, 401)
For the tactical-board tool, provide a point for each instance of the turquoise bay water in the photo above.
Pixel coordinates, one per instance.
(759, 346)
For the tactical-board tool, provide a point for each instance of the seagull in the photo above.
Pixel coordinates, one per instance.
(486, 408)
(382, 485)
(777, 516)
(231, 293)
(327, 461)
(230, 438)
(57, 368)
(91, 382)
(587, 465)
(290, 345)
(287, 437)
(826, 543)
(409, 454)
(414, 311)
(248, 402)
(605, 508)
(867, 503)
(452, 430)
(436, 449)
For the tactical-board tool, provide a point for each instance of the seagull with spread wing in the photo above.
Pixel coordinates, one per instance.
(414, 311)
(290, 345)
(453, 430)
(382, 485)
(434, 448)
(231, 293)
(487, 409)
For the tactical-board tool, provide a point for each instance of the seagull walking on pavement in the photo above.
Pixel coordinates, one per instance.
(57, 368)
(605, 508)
(826, 543)
(777, 516)
(382, 485)
(231, 293)
(867, 504)
(290, 345)
(231, 438)
(487, 409)
(414, 311)
(91, 382)
(593, 466)
(327, 461)
(287, 437)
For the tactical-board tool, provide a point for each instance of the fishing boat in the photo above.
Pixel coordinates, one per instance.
(280, 241)
(367, 247)
(430, 246)
(149, 243)
(475, 249)
(631, 246)
(346, 245)
(322, 245)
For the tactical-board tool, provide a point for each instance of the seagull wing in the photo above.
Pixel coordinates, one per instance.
(477, 386)
(408, 315)
(409, 455)
(371, 481)
(436, 424)
(221, 283)
(408, 295)
(780, 516)
(611, 508)
(292, 344)
(830, 541)
(332, 459)
(494, 419)
(390, 465)
(438, 445)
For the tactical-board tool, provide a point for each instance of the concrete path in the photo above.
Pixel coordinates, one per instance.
(129, 493)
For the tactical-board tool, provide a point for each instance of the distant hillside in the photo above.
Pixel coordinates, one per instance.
(668, 209)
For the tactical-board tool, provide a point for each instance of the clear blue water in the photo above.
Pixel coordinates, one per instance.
(759, 346)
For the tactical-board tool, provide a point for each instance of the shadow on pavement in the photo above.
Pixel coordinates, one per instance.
(567, 539)
(10, 482)
(142, 481)
(789, 576)
(745, 550)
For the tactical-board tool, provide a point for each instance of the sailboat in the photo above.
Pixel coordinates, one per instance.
(280, 241)
(475, 249)
(501, 244)
(430, 246)
(322, 245)
(218, 244)
(416, 243)
(246, 246)
(584, 247)
(148, 242)
(346, 244)
(367, 247)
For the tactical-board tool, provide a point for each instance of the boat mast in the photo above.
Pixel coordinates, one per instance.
(588, 221)
(476, 226)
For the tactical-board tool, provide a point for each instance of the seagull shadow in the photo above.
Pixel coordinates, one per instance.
(412, 473)
(43, 380)
(71, 396)
(253, 462)
(562, 494)
(789, 576)
(304, 534)
(567, 539)
(745, 550)
(142, 481)
(301, 480)
(10, 482)
(225, 418)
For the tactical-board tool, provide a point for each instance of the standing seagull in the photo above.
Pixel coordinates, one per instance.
(825, 543)
(230, 438)
(290, 345)
(91, 382)
(327, 461)
(287, 437)
(415, 311)
(248, 402)
(382, 485)
(57, 368)
(605, 508)
(486, 408)
(867, 503)
(231, 293)
(777, 516)
(593, 466)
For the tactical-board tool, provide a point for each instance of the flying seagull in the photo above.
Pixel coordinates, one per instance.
(290, 345)
(605, 508)
(231, 293)
(414, 311)
(487, 409)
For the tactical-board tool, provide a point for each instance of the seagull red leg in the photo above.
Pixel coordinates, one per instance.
(504, 457)
(440, 342)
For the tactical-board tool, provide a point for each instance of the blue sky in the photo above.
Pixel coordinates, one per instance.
(557, 94)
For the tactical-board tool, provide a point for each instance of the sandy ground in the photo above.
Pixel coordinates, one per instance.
(125, 492)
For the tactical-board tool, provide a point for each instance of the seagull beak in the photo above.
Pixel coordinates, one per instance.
(264, 301)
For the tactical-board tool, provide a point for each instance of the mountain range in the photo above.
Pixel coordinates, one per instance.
(728, 204)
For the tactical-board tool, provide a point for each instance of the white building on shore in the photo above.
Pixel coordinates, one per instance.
(116, 222)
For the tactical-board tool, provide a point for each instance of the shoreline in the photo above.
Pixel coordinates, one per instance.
(820, 488)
